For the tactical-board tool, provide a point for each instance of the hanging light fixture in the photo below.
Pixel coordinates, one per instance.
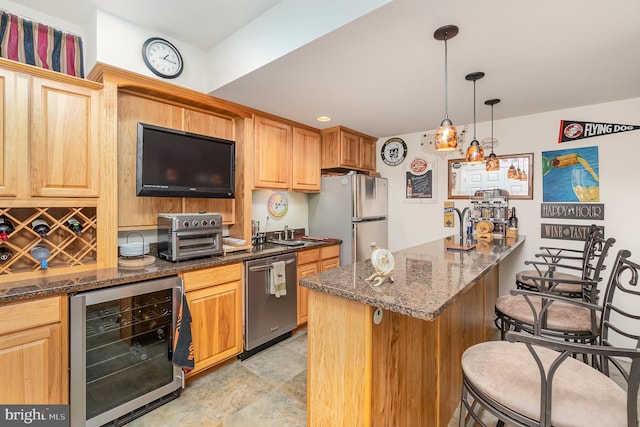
(475, 152)
(446, 135)
(493, 163)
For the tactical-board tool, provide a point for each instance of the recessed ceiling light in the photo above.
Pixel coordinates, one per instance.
(324, 119)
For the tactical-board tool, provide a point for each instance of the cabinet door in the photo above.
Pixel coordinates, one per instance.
(368, 154)
(305, 270)
(64, 140)
(135, 212)
(306, 160)
(329, 264)
(11, 132)
(272, 154)
(220, 127)
(350, 150)
(30, 366)
(216, 325)
(33, 352)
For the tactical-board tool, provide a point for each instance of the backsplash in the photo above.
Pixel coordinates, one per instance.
(295, 216)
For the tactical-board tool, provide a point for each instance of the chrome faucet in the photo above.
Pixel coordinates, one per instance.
(286, 232)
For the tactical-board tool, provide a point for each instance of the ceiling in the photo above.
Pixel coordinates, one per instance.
(383, 74)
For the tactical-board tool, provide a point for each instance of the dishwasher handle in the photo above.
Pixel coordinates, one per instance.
(268, 266)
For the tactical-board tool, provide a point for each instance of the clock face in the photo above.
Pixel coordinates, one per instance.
(394, 150)
(162, 58)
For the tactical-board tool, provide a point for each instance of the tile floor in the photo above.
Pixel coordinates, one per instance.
(268, 389)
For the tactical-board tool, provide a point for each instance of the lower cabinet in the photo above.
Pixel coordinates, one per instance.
(214, 296)
(312, 261)
(33, 352)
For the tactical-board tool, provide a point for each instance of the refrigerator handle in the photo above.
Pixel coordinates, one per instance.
(354, 246)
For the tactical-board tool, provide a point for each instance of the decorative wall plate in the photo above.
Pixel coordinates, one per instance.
(278, 204)
(394, 151)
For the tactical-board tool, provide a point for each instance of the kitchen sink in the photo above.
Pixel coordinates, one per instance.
(295, 242)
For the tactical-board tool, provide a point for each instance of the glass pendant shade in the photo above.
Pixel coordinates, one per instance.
(475, 153)
(493, 163)
(446, 135)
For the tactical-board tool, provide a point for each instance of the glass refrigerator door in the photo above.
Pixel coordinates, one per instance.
(127, 350)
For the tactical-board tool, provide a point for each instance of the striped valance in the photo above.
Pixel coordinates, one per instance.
(40, 45)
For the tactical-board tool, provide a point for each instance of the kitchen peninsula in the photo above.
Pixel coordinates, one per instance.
(390, 355)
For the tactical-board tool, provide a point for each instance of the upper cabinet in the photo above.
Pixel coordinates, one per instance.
(49, 135)
(64, 139)
(344, 148)
(286, 157)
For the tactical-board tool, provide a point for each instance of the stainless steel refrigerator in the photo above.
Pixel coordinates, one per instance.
(352, 208)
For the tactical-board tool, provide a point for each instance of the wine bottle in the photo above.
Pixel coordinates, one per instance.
(41, 254)
(6, 228)
(41, 227)
(5, 254)
(74, 226)
(513, 219)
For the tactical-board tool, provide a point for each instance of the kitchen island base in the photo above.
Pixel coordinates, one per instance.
(403, 371)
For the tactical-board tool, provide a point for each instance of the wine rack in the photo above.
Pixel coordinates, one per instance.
(66, 247)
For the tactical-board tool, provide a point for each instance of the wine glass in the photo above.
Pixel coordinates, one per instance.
(584, 185)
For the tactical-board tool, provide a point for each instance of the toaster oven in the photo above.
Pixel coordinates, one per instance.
(189, 235)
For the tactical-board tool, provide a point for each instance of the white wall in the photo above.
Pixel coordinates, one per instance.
(411, 224)
(119, 43)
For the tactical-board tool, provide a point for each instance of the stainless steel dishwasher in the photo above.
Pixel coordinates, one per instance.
(267, 318)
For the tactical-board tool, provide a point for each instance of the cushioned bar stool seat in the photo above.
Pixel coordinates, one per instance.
(560, 316)
(506, 374)
(570, 289)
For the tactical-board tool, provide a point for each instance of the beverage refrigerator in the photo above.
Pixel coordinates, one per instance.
(353, 208)
(121, 350)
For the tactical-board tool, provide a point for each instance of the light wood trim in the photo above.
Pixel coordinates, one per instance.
(339, 362)
(205, 277)
(48, 74)
(29, 314)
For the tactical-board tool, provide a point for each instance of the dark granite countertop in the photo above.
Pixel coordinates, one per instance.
(101, 278)
(427, 278)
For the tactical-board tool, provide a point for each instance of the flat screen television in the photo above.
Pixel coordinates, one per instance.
(174, 163)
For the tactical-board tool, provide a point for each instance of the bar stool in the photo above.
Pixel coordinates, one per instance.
(513, 380)
(522, 310)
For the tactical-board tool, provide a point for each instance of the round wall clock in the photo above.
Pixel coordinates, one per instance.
(394, 151)
(162, 58)
(278, 204)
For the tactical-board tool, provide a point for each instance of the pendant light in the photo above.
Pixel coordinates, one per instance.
(493, 163)
(446, 135)
(475, 152)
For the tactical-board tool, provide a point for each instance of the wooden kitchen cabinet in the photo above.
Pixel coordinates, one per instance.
(306, 160)
(344, 148)
(64, 139)
(10, 132)
(33, 352)
(286, 157)
(312, 261)
(214, 296)
(272, 154)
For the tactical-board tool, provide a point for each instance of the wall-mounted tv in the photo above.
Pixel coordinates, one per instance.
(174, 163)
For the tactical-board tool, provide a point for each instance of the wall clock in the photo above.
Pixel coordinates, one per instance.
(162, 58)
(394, 151)
(278, 204)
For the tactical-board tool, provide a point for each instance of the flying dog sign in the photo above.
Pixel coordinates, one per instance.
(571, 130)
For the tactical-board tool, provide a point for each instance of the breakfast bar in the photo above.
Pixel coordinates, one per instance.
(390, 355)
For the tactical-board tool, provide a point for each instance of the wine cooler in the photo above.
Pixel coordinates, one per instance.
(121, 349)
